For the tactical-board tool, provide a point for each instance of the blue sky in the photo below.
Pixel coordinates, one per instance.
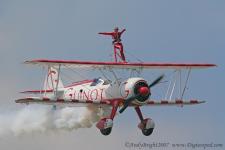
(157, 30)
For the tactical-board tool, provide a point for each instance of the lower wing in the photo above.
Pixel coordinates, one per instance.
(176, 102)
(83, 103)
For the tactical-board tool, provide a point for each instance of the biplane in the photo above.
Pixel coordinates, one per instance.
(114, 94)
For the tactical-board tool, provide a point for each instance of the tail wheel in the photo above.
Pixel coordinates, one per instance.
(106, 131)
(147, 132)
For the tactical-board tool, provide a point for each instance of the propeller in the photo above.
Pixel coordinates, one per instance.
(143, 90)
(156, 81)
(127, 102)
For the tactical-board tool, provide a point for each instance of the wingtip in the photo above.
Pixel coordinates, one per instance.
(19, 100)
(200, 102)
(26, 62)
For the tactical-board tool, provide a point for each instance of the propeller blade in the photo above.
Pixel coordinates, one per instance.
(156, 81)
(127, 102)
(123, 108)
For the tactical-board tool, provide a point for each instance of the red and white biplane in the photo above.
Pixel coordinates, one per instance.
(112, 94)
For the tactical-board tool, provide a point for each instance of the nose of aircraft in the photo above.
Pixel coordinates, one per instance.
(144, 90)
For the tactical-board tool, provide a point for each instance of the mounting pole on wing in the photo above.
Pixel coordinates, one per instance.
(117, 44)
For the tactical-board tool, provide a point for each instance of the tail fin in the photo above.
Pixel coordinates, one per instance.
(53, 80)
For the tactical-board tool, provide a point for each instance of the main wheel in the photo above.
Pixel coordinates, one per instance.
(147, 132)
(106, 131)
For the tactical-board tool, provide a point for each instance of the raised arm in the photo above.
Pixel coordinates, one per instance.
(106, 33)
(122, 31)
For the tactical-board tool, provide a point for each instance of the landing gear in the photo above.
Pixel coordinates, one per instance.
(105, 124)
(147, 132)
(106, 131)
(146, 125)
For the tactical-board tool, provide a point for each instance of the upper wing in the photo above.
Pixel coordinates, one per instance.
(118, 65)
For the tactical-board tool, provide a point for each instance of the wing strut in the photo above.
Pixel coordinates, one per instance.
(185, 85)
(57, 83)
(175, 85)
(114, 74)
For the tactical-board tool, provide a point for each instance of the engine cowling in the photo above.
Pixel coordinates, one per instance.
(133, 87)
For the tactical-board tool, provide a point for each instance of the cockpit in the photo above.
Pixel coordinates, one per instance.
(98, 81)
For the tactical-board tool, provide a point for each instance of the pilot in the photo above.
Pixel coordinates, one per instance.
(116, 36)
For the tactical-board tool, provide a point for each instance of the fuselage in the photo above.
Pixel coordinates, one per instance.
(98, 89)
